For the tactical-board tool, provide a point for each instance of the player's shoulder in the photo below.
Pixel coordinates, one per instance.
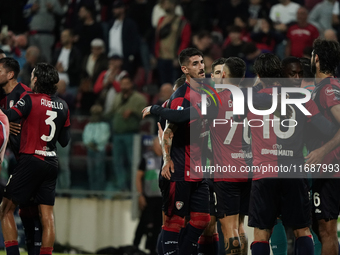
(24, 87)
(57, 99)
(180, 92)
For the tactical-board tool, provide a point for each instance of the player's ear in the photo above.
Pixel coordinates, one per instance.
(184, 69)
(10, 75)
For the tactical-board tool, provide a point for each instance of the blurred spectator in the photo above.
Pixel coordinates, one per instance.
(64, 176)
(126, 113)
(165, 93)
(172, 36)
(158, 12)
(203, 42)
(2, 54)
(123, 38)
(322, 15)
(265, 36)
(95, 137)
(235, 47)
(283, 13)
(32, 57)
(300, 35)
(150, 200)
(67, 60)
(202, 16)
(256, 11)
(140, 12)
(309, 4)
(240, 22)
(96, 62)
(66, 96)
(107, 84)
(207, 63)
(307, 52)
(86, 31)
(251, 52)
(20, 49)
(229, 10)
(42, 20)
(85, 97)
(330, 35)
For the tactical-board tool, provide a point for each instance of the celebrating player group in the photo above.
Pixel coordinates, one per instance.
(290, 129)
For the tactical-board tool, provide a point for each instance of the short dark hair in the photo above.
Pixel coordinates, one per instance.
(91, 8)
(306, 67)
(219, 61)
(289, 60)
(329, 55)
(1, 51)
(180, 81)
(11, 65)
(268, 65)
(237, 67)
(188, 53)
(47, 79)
(249, 48)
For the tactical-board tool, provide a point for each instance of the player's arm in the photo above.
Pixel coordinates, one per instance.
(21, 109)
(328, 129)
(168, 165)
(139, 184)
(65, 134)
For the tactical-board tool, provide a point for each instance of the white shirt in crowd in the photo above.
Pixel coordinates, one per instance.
(64, 58)
(159, 12)
(115, 39)
(284, 14)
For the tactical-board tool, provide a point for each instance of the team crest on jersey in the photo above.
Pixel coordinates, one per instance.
(277, 147)
(179, 205)
(11, 103)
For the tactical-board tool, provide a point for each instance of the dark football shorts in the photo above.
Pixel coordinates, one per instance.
(212, 195)
(232, 198)
(182, 197)
(270, 198)
(33, 179)
(326, 199)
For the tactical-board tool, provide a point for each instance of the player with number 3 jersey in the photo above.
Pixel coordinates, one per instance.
(45, 121)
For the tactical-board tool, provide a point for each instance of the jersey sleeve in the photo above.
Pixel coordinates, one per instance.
(67, 122)
(177, 103)
(21, 109)
(330, 96)
(312, 108)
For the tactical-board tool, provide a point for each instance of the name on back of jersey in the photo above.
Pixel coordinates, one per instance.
(51, 104)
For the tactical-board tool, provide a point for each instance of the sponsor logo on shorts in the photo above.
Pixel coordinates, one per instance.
(11, 103)
(317, 211)
(179, 205)
(180, 107)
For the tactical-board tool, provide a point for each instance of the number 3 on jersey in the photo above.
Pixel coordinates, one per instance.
(49, 121)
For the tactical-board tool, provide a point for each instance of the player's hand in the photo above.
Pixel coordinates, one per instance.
(315, 156)
(160, 133)
(14, 128)
(146, 111)
(142, 202)
(127, 114)
(168, 168)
